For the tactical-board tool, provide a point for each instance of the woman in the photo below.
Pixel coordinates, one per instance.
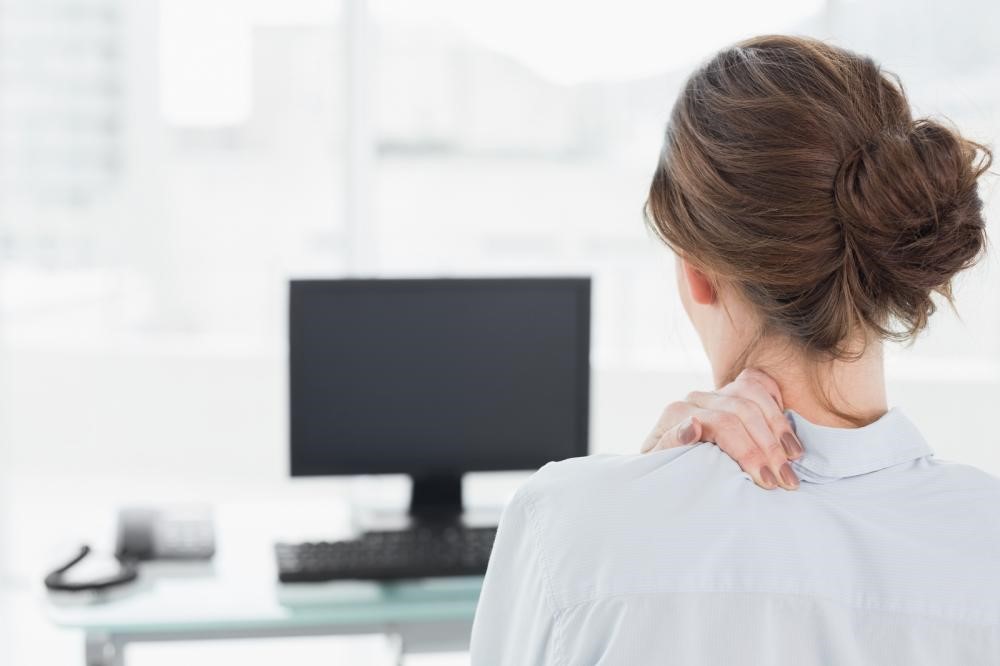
(812, 218)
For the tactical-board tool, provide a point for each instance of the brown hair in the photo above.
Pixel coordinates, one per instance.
(794, 170)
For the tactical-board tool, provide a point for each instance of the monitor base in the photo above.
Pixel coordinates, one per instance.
(436, 499)
(371, 519)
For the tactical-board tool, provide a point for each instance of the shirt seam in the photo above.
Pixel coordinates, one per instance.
(992, 624)
(548, 588)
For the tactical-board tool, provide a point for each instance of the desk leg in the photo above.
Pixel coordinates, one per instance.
(396, 641)
(103, 650)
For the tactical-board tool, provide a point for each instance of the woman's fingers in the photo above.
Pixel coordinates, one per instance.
(674, 428)
(745, 419)
(726, 430)
(730, 433)
(738, 427)
(745, 410)
(759, 387)
(688, 431)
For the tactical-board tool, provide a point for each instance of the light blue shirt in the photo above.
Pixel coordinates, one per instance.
(883, 556)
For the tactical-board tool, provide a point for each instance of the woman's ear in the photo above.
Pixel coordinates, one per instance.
(699, 285)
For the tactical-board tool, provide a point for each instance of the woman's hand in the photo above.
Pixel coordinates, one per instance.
(745, 419)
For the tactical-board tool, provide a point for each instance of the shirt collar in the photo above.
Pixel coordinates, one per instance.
(837, 453)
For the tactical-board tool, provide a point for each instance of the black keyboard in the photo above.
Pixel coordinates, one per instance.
(417, 552)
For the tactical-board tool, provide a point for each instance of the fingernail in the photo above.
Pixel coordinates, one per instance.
(792, 445)
(788, 476)
(767, 477)
(687, 434)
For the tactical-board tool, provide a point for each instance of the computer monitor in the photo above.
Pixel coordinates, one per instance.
(437, 377)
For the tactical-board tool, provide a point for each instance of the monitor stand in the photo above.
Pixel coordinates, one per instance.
(436, 501)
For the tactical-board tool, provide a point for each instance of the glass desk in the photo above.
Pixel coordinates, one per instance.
(422, 616)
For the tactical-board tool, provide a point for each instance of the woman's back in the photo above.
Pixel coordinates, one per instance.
(813, 218)
(884, 556)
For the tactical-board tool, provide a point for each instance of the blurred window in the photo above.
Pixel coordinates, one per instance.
(166, 166)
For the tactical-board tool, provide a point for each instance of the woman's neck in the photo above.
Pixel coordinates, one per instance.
(818, 391)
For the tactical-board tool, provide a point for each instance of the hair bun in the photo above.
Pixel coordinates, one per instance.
(793, 170)
(911, 218)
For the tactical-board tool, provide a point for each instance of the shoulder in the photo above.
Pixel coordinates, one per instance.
(586, 474)
(562, 492)
(964, 473)
(583, 516)
(970, 492)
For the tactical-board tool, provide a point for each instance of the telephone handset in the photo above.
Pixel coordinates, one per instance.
(143, 535)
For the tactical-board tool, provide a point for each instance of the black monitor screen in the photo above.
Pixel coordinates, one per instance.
(427, 376)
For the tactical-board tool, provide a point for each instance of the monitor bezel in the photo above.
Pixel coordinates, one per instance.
(580, 286)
